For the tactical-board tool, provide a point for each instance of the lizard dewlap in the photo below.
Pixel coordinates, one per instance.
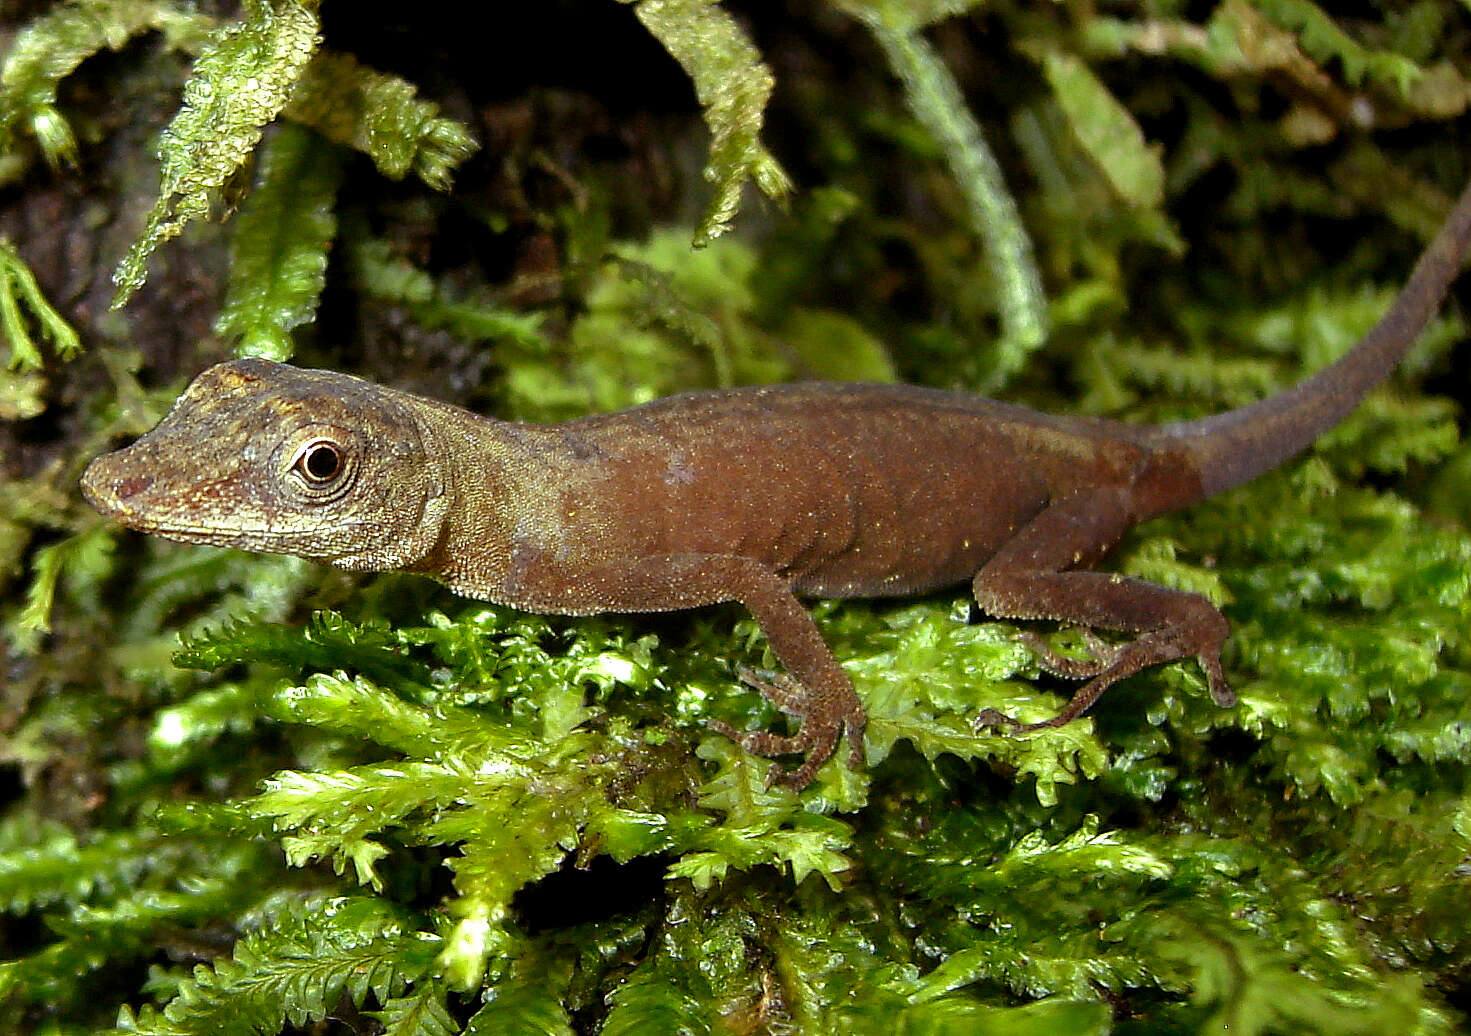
(756, 495)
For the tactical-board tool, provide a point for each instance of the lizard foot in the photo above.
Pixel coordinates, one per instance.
(1203, 639)
(817, 739)
(817, 748)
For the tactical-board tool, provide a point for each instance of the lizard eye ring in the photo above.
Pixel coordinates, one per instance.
(319, 461)
(321, 465)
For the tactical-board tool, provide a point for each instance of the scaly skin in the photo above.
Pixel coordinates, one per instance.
(756, 495)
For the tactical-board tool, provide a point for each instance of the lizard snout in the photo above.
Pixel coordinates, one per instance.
(108, 493)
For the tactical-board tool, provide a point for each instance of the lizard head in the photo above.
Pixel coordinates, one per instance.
(268, 457)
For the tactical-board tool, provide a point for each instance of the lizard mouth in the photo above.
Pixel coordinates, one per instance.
(110, 497)
(125, 497)
(115, 495)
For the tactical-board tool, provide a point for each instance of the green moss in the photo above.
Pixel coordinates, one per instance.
(279, 260)
(733, 87)
(241, 82)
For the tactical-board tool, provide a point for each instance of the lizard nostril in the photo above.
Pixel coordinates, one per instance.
(130, 487)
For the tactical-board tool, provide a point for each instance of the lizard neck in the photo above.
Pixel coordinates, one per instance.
(472, 548)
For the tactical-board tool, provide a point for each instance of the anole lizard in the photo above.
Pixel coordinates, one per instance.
(756, 495)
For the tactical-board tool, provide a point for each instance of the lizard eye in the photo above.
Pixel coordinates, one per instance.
(319, 462)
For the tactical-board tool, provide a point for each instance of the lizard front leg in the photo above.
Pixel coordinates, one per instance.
(816, 691)
(1030, 578)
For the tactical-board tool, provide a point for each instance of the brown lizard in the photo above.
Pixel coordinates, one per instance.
(756, 495)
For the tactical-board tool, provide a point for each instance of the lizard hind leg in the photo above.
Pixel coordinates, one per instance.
(1033, 576)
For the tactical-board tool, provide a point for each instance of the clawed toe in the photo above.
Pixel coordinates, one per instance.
(1059, 664)
(816, 748)
(1215, 678)
(778, 688)
(994, 719)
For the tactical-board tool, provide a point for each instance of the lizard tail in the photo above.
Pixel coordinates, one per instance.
(1235, 447)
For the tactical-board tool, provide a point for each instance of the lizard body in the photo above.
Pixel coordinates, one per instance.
(756, 495)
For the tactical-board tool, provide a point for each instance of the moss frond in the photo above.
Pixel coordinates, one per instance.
(1106, 130)
(732, 85)
(85, 558)
(241, 81)
(19, 292)
(767, 827)
(924, 674)
(296, 969)
(530, 1005)
(939, 107)
(421, 1013)
(50, 48)
(128, 890)
(379, 115)
(1360, 655)
(278, 261)
(1322, 38)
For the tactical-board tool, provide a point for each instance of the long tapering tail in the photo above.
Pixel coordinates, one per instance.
(1237, 446)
